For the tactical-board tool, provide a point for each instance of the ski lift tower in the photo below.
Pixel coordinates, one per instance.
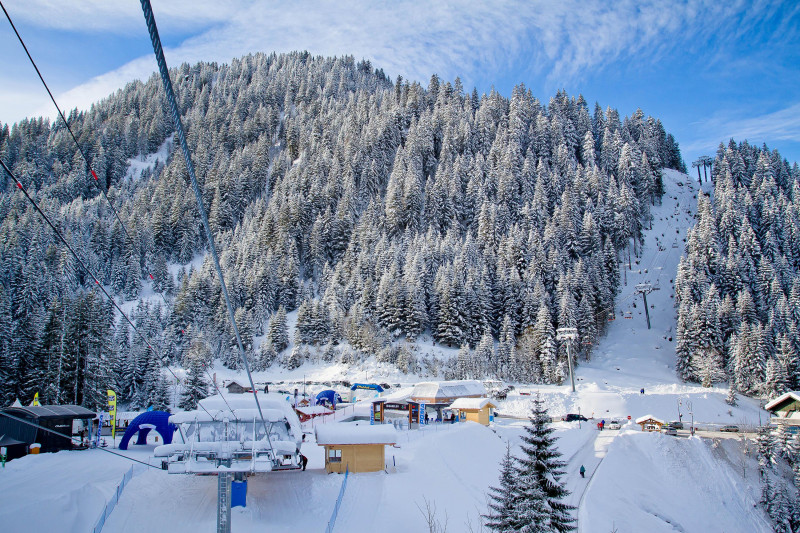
(705, 162)
(645, 289)
(568, 334)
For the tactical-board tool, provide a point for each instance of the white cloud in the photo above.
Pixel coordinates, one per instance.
(558, 41)
(118, 15)
(780, 125)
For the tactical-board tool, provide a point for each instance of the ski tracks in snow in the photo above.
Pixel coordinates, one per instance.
(590, 455)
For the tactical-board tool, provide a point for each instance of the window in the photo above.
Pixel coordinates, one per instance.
(334, 456)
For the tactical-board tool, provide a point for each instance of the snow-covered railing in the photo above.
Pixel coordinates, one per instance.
(112, 503)
(332, 521)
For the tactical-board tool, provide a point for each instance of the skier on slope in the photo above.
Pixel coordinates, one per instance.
(583, 471)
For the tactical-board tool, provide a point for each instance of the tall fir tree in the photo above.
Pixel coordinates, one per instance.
(539, 472)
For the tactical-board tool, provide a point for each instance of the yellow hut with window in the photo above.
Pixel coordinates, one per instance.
(474, 409)
(353, 446)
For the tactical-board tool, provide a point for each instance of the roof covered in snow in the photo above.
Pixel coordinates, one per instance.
(349, 433)
(52, 411)
(448, 389)
(782, 399)
(645, 418)
(472, 403)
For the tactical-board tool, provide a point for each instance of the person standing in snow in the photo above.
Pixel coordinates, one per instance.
(583, 471)
(303, 461)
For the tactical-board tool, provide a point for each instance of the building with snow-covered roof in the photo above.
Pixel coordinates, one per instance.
(474, 409)
(785, 410)
(650, 423)
(353, 446)
(237, 387)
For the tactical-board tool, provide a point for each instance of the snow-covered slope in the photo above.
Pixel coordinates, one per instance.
(635, 481)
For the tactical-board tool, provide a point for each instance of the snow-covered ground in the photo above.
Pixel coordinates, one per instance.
(635, 481)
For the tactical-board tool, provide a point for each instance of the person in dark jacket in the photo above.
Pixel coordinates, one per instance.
(303, 461)
(583, 471)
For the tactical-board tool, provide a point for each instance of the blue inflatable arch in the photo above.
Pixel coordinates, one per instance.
(142, 424)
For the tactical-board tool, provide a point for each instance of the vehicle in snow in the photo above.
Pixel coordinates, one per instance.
(227, 433)
(730, 428)
(676, 425)
(671, 431)
(614, 424)
(571, 417)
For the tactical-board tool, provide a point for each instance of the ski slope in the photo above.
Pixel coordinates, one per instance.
(635, 481)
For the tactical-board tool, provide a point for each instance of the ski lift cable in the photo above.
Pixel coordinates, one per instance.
(81, 151)
(71, 438)
(91, 170)
(173, 105)
(93, 174)
(82, 264)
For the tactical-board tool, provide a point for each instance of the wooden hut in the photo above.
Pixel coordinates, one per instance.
(474, 409)
(234, 387)
(785, 411)
(650, 423)
(357, 447)
(59, 419)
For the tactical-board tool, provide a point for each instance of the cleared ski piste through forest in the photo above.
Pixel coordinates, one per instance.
(635, 481)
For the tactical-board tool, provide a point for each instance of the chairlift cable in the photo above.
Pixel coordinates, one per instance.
(96, 180)
(81, 262)
(170, 96)
(77, 144)
(71, 438)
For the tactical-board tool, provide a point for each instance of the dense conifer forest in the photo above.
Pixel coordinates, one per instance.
(737, 287)
(383, 212)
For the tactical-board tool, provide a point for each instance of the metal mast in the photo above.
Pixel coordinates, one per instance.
(568, 334)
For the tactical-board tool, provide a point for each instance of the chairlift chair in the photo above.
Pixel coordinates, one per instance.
(627, 314)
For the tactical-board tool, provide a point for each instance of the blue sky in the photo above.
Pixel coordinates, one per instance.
(709, 70)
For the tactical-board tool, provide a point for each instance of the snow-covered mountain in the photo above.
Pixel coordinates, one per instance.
(634, 480)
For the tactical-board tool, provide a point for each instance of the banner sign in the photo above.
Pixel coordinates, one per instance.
(112, 412)
(421, 413)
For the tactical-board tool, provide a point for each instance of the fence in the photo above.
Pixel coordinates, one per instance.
(332, 521)
(133, 471)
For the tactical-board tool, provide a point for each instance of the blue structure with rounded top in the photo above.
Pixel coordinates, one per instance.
(328, 397)
(142, 424)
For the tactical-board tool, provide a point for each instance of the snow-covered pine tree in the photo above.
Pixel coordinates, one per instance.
(502, 514)
(278, 332)
(540, 471)
(195, 386)
(731, 398)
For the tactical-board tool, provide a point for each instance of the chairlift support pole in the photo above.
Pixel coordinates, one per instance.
(224, 502)
(645, 289)
(568, 334)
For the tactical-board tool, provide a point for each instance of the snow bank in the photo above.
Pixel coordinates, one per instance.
(656, 483)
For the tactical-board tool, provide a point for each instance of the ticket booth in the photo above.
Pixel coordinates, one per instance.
(377, 415)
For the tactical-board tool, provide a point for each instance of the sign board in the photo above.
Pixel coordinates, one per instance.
(99, 428)
(422, 413)
(372, 415)
(112, 412)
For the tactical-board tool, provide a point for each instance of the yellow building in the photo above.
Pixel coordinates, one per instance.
(475, 409)
(359, 447)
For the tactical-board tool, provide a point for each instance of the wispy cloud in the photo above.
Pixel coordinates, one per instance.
(561, 42)
(780, 125)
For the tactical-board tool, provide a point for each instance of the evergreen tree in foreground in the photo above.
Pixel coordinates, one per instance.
(502, 513)
(538, 475)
